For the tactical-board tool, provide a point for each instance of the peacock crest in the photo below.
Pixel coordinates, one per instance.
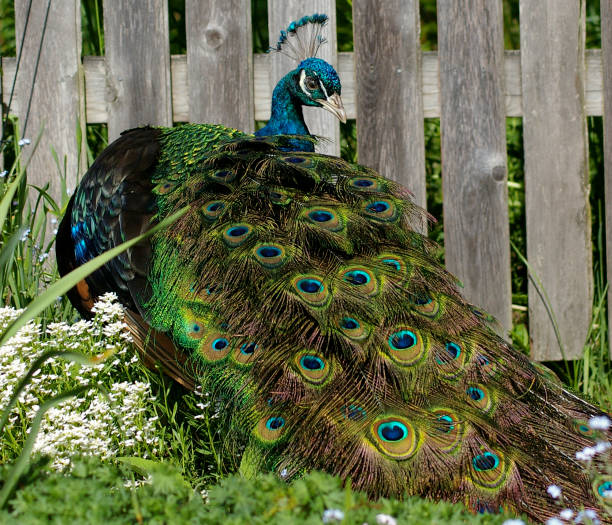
(302, 38)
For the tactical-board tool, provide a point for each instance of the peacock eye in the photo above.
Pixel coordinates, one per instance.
(311, 83)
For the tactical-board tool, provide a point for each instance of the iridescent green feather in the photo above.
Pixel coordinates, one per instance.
(341, 344)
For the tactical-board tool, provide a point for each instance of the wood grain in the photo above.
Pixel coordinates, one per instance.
(473, 143)
(556, 175)
(390, 134)
(606, 50)
(280, 13)
(56, 88)
(95, 85)
(220, 62)
(137, 51)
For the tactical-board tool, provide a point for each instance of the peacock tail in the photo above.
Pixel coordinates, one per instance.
(300, 293)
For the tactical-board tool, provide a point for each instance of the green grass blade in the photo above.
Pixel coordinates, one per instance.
(541, 290)
(68, 281)
(8, 249)
(5, 203)
(13, 186)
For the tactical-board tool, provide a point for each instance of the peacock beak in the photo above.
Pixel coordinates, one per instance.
(333, 104)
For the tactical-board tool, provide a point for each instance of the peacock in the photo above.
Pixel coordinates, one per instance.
(299, 291)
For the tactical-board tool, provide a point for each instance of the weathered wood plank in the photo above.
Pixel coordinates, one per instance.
(56, 85)
(473, 143)
(280, 13)
(606, 50)
(556, 174)
(390, 134)
(95, 85)
(220, 62)
(138, 64)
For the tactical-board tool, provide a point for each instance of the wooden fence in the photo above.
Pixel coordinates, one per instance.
(389, 86)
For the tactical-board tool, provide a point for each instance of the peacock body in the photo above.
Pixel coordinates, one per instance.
(299, 291)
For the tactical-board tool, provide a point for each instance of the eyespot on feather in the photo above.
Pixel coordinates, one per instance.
(299, 160)
(365, 184)
(602, 488)
(215, 346)
(245, 353)
(582, 427)
(212, 209)
(394, 436)
(314, 368)
(426, 306)
(479, 396)
(270, 255)
(488, 469)
(361, 278)
(446, 430)
(354, 412)
(311, 289)
(236, 234)
(164, 188)
(381, 210)
(405, 346)
(224, 176)
(323, 217)
(394, 266)
(451, 358)
(270, 428)
(352, 328)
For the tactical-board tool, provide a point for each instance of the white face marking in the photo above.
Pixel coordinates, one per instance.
(303, 83)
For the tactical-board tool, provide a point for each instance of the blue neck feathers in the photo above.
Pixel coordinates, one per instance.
(286, 117)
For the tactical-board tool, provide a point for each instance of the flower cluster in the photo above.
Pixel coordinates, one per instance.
(108, 419)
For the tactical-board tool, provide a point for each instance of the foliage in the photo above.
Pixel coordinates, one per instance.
(96, 493)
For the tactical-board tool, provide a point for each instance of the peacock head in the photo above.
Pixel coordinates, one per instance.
(317, 84)
(313, 83)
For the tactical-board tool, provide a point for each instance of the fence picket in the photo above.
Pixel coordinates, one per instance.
(57, 73)
(473, 142)
(137, 45)
(220, 62)
(606, 50)
(390, 134)
(472, 84)
(280, 13)
(556, 174)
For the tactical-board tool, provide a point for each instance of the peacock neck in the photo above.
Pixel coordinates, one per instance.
(286, 117)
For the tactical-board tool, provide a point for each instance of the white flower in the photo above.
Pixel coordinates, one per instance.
(385, 519)
(602, 446)
(332, 515)
(42, 257)
(589, 514)
(567, 514)
(3, 174)
(554, 491)
(25, 234)
(554, 521)
(23, 142)
(586, 454)
(600, 423)
(283, 473)
(513, 522)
